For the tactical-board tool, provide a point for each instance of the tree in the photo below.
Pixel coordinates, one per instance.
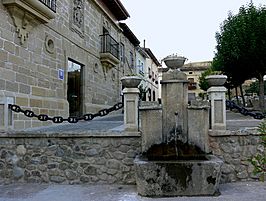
(254, 88)
(241, 47)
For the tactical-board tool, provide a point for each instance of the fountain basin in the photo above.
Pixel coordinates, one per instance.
(178, 177)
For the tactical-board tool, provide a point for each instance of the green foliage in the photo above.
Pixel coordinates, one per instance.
(259, 160)
(254, 88)
(202, 95)
(241, 45)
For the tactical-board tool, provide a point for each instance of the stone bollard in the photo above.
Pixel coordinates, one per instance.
(198, 124)
(131, 99)
(218, 109)
(6, 117)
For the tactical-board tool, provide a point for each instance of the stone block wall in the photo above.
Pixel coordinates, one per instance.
(235, 148)
(106, 157)
(68, 159)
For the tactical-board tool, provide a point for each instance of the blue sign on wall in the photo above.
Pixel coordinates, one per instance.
(61, 74)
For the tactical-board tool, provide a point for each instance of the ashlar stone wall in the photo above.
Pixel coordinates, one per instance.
(68, 159)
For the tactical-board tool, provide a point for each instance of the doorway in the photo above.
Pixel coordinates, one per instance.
(74, 87)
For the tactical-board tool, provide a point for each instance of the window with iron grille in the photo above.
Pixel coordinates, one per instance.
(122, 52)
(192, 85)
(109, 44)
(149, 72)
(131, 59)
(141, 68)
(50, 4)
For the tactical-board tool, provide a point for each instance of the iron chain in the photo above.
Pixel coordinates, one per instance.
(232, 105)
(71, 119)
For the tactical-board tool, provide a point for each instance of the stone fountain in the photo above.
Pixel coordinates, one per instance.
(175, 159)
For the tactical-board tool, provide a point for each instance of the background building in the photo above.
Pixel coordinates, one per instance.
(193, 72)
(151, 76)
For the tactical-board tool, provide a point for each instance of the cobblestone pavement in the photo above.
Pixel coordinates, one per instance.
(112, 122)
(235, 121)
(249, 191)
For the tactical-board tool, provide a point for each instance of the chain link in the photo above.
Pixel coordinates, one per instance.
(71, 119)
(232, 105)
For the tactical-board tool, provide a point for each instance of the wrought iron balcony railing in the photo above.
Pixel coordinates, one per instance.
(109, 45)
(50, 4)
(192, 85)
(141, 72)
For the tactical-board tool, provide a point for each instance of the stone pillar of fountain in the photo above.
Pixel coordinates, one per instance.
(131, 98)
(218, 109)
(151, 125)
(174, 101)
(198, 124)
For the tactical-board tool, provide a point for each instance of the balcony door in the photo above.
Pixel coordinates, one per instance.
(74, 88)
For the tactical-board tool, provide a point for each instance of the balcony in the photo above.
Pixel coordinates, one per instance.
(192, 85)
(109, 54)
(44, 10)
(50, 4)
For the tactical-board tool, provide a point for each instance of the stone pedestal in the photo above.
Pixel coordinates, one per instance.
(151, 126)
(131, 99)
(174, 101)
(6, 118)
(198, 124)
(218, 109)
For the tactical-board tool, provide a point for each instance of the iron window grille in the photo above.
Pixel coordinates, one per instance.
(109, 44)
(50, 4)
(131, 60)
(192, 86)
(141, 72)
(122, 52)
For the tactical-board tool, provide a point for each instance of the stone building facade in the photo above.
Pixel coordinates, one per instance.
(63, 52)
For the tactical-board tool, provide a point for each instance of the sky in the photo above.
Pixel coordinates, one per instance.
(185, 27)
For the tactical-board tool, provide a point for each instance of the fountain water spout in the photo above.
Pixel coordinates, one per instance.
(176, 133)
